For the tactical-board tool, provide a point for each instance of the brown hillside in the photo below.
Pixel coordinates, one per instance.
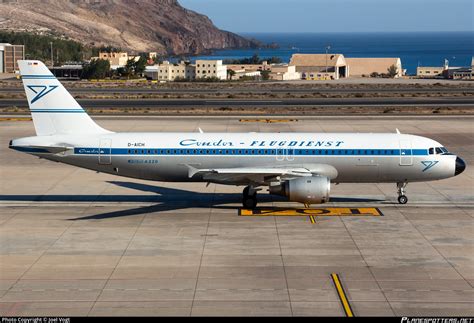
(145, 25)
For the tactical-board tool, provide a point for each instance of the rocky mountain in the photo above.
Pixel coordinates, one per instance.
(136, 25)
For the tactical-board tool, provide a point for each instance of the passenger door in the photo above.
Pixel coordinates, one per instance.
(105, 151)
(406, 153)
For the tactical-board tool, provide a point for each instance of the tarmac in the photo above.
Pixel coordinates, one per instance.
(154, 104)
(75, 242)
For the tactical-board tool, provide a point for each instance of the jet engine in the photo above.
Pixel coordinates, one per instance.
(308, 190)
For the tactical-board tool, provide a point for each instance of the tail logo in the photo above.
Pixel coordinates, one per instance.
(41, 91)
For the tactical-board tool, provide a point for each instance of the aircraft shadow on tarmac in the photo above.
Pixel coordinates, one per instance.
(168, 199)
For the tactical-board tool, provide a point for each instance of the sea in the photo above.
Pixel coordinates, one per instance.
(414, 48)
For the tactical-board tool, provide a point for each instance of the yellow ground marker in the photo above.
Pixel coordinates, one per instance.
(342, 295)
(268, 120)
(311, 218)
(328, 211)
(14, 119)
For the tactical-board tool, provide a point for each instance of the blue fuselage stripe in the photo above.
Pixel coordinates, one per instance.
(40, 77)
(250, 152)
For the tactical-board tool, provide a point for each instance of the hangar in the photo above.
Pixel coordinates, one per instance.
(320, 66)
(365, 66)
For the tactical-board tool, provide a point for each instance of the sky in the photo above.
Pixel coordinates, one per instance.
(247, 16)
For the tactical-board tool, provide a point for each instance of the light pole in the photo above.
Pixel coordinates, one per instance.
(327, 48)
(52, 58)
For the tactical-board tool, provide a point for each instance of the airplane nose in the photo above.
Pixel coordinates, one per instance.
(460, 166)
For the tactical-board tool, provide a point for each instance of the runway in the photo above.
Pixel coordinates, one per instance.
(74, 242)
(316, 102)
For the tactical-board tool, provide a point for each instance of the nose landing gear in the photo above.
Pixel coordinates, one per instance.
(249, 197)
(402, 198)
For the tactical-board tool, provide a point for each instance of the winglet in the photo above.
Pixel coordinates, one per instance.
(398, 131)
(200, 130)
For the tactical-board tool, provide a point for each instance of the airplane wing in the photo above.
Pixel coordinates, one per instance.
(261, 175)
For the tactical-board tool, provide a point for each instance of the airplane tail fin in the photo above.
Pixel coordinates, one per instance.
(53, 109)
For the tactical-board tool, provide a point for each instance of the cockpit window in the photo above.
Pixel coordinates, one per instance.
(438, 151)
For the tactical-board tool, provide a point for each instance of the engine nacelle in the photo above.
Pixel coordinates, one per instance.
(308, 190)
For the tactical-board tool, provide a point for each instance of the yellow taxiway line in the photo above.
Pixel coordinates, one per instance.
(342, 295)
(268, 120)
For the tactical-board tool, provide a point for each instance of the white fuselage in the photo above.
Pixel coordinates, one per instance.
(360, 158)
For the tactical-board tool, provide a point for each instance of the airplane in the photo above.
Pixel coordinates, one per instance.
(300, 166)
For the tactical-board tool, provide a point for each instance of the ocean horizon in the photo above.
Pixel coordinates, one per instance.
(414, 48)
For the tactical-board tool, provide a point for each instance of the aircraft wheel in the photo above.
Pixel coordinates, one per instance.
(249, 202)
(402, 199)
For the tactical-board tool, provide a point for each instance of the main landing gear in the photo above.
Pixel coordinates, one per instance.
(249, 198)
(402, 198)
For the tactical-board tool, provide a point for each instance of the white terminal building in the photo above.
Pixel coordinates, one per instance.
(211, 68)
(184, 70)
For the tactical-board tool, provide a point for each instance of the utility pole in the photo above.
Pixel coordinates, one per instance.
(52, 55)
(327, 48)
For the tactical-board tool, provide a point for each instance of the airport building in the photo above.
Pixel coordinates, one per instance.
(249, 67)
(9, 55)
(433, 71)
(67, 71)
(463, 73)
(211, 68)
(240, 74)
(115, 58)
(170, 72)
(366, 66)
(320, 66)
(284, 72)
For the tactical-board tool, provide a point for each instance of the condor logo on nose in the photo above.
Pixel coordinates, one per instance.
(41, 91)
(428, 164)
